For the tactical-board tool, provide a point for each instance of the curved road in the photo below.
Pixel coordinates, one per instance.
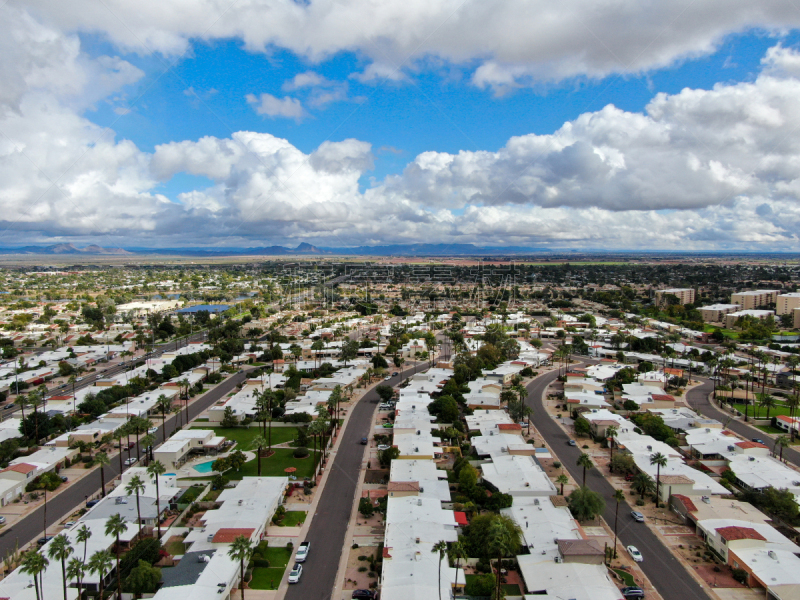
(665, 572)
(698, 399)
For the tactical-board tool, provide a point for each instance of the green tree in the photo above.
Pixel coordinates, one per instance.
(441, 548)
(155, 469)
(34, 563)
(60, 550)
(582, 426)
(75, 571)
(100, 563)
(457, 553)
(585, 461)
(82, 537)
(143, 579)
(228, 418)
(365, 507)
(101, 458)
(619, 497)
(767, 401)
(504, 539)
(561, 480)
(116, 525)
(585, 504)
(259, 442)
(782, 441)
(136, 486)
(659, 460)
(643, 484)
(241, 549)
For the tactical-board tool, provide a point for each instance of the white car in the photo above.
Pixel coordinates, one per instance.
(131, 461)
(383, 447)
(152, 430)
(295, 573)
(635, 554)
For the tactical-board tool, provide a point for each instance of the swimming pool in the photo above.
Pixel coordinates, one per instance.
(169, 474)
(204, 467)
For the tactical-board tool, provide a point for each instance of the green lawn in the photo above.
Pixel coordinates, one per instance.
(278, 556)
(266, 579)
(274, 466)
(626, 577)
(770, 429)
(176, 548)
(191, 494)
(759, 412)
(511, 589)
(292, 518)
(244, 436)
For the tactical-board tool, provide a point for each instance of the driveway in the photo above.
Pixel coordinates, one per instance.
(665, 572)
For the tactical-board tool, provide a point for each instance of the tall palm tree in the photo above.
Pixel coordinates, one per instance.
(259, 442)
(156, 469)
(503, 538)
(101, 458)
(148, 441)
(60, 549)
(241, 549)
(114, 526)
(163, 405)
(611, 432)
(441, 548)
(457, 553)
(75, 570)
(659, 460)
(119, 434)
(619, 496)
(767, 401)
(34, 563)
(83, 535)
(100, 563)
(781, 441)
(136, 486)
(585, 461)
(561, 480)
(185, 383)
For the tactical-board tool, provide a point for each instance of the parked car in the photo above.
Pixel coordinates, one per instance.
(43, 540)
(632, 592)
(364, 441)
(152, 430)
(382, 447)
(69, 524)
(635, 554)
(572, 443)
(131, 461)
(637, 516)
(302, 552)
(130, 445)
(9, 406)
(64, 478)
(295, 573)
(91, 503)
(2, 520)
(387, 378)
(363, 594)
(395, 374)
(758, 441)
(629, 477)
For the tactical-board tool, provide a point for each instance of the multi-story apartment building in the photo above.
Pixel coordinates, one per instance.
(716, 312)
(684, 295)
(786, 303)
(753, 299)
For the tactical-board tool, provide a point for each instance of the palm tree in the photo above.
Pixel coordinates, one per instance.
(60, 549)
(561, 480)
(163, 405)
(22, 401)
(441, 548)
(781, 441)
(75, 571)
(185, 383)
(642, 484)
(767, 401)
(118, 435)
(619, 496)
(611, 432)
(100, 563)
(155, 469)
(458, 553)
(114, 526)
(34, 563)
(240, 550)
(585, 461)
(503, 538)
(659, 460)
(259, 442)
(83, 535)
(101, 458)
(148, 441)
(136, 486)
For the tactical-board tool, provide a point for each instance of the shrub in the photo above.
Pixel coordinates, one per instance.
(301, 452)
(362, 569)
(740, 575)
(482, 585)
(262, 563)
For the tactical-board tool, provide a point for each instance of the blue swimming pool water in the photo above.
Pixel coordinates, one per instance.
(169, 474)
(204, 467)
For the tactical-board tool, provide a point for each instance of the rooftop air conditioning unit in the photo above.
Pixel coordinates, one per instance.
(535, 500)
(772, 555)
(418, 540)
(705, 499)
(753, 458)
(731, 448)
(558, 559)
(416, 449)
(527, 484)
(418, 432)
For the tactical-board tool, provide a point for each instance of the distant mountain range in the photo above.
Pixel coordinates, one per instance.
(302, 249)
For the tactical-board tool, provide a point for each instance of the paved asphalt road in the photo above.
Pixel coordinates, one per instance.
(661, 567)
(329, 524)
(32, 526)
(698, 399)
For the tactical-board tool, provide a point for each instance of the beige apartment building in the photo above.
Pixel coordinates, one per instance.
(716, 312)
(752, 299)
(684, 295)
(731, 318)
(786, 303)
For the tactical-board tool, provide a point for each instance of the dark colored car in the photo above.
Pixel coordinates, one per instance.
(43, 540)
(363, 594)
(364, 441)
(629, 477)
(91, 503)
(632, 592)
(758, 441)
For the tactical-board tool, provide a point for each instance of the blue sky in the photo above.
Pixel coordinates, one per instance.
(495, 130)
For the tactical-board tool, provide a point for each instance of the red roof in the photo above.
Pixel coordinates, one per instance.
(663, 398)
(687, 502)
(678, 372)
(734, 532)
(23, 468)
(386, 552)
(509, 427)
(461, 517)
(60, 398)
(750, 444)
(787, 419)
(226, 535)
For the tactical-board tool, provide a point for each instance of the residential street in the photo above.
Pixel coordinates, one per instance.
(32, 526)
(329, 525)
(698, 399)
(665, 572)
